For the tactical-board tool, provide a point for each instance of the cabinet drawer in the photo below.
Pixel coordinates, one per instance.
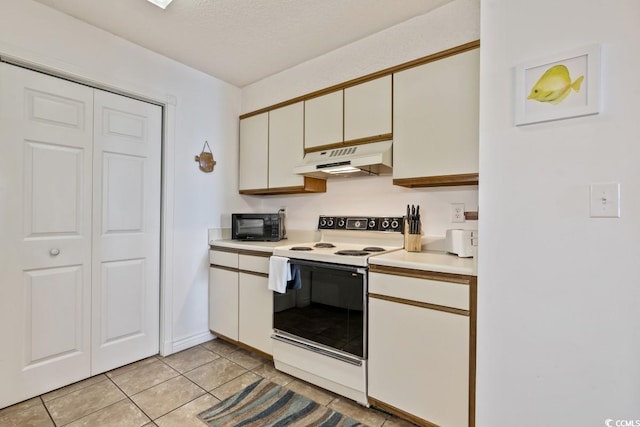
(258, 264)
(226, 259)
(428, 291)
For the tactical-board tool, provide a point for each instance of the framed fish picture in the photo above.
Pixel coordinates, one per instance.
(558, 87)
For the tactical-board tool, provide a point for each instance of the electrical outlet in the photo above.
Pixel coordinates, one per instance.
(457, 212)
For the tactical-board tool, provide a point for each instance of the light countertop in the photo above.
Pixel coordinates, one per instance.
(438, 261)
(248, 245)
(223, 239)
(428, 260)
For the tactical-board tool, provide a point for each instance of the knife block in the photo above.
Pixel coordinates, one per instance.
(412, 242)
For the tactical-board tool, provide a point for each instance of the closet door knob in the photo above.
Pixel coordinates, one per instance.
(54, 252)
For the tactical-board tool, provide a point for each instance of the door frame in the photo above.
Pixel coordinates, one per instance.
(168, 102)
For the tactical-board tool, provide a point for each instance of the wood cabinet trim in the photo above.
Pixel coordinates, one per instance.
(399, 412)
(241, 251)
(459, 279)
(254, 273)
(311, 185)
(244, 346)
(387, 71)
(438, 181)
(253, 253)
(473, 322)
(224, 267)
(420, 304)
(223, 249)
(350, 143)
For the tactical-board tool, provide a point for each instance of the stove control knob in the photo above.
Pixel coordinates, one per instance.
(385, 224)
(330, 222)
(357, 224)
(372, 223)
(341, 223)
(323, 222)
(395, 224)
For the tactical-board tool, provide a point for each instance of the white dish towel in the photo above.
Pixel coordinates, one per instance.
(279, 273)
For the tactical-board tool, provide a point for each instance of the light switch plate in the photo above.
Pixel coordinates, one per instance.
(605, 200)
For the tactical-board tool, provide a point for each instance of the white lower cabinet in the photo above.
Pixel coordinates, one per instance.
(255, 318)
(419, 352)
(223, 302)
(240, 303)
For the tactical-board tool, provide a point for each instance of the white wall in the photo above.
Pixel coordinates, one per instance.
(451, 25)
(559, 292)
(206, 109)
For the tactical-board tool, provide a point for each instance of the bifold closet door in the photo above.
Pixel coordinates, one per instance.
(46, 134)
(79, 232)
(126, 231)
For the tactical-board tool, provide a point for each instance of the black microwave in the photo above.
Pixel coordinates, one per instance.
(267, 227)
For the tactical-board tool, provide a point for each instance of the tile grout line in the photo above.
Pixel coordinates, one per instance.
(47, 411)
(132, 401)
(180, 374)
(67, 394)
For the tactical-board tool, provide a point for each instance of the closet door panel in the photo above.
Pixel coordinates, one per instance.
(126, 238)
(45, 232)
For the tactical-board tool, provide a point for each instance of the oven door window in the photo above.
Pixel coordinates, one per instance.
(328, 309)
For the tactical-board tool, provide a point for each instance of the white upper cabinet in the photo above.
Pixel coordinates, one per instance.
(435, 120)
(271, 145)
(286, 151)
(367, 109)
(323, 120)
(254, 152)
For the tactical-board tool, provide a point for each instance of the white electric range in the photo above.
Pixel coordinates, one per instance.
(320, 324)
(349, 240)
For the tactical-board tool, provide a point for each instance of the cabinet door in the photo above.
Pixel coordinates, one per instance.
(286, 145)
(323, 120)
(223, 302)
(419, 361)
(367, 109)
(254, 152)
(435, 118)
(255, 312)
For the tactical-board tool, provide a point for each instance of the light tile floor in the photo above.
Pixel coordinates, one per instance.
(171, 391)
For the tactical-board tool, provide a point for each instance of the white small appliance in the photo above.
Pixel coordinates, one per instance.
(461, 242)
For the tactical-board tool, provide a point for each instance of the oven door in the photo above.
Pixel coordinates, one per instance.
(328, 311)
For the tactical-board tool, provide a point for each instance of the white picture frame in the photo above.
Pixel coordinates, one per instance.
(545, 92)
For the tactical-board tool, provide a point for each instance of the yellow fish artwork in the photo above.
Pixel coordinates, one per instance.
(554, 85)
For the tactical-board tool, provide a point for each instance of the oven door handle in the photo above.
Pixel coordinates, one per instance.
(351, 268)
(325, 352)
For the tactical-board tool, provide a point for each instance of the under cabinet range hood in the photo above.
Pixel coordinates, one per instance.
(357, 160)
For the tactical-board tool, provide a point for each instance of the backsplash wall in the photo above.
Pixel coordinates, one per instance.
(373, 196)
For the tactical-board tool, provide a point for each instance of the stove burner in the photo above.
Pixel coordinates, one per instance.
(373, 249)
(350, 252)
(301, 248)
(324, 245)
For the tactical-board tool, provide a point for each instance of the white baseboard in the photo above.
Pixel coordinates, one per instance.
(189, 342)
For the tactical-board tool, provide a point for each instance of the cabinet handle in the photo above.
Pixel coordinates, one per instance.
(54, 252)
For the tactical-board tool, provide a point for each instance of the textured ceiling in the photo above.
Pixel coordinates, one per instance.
(243, 41)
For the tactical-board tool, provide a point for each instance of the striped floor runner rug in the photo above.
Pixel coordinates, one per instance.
(265, 404)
